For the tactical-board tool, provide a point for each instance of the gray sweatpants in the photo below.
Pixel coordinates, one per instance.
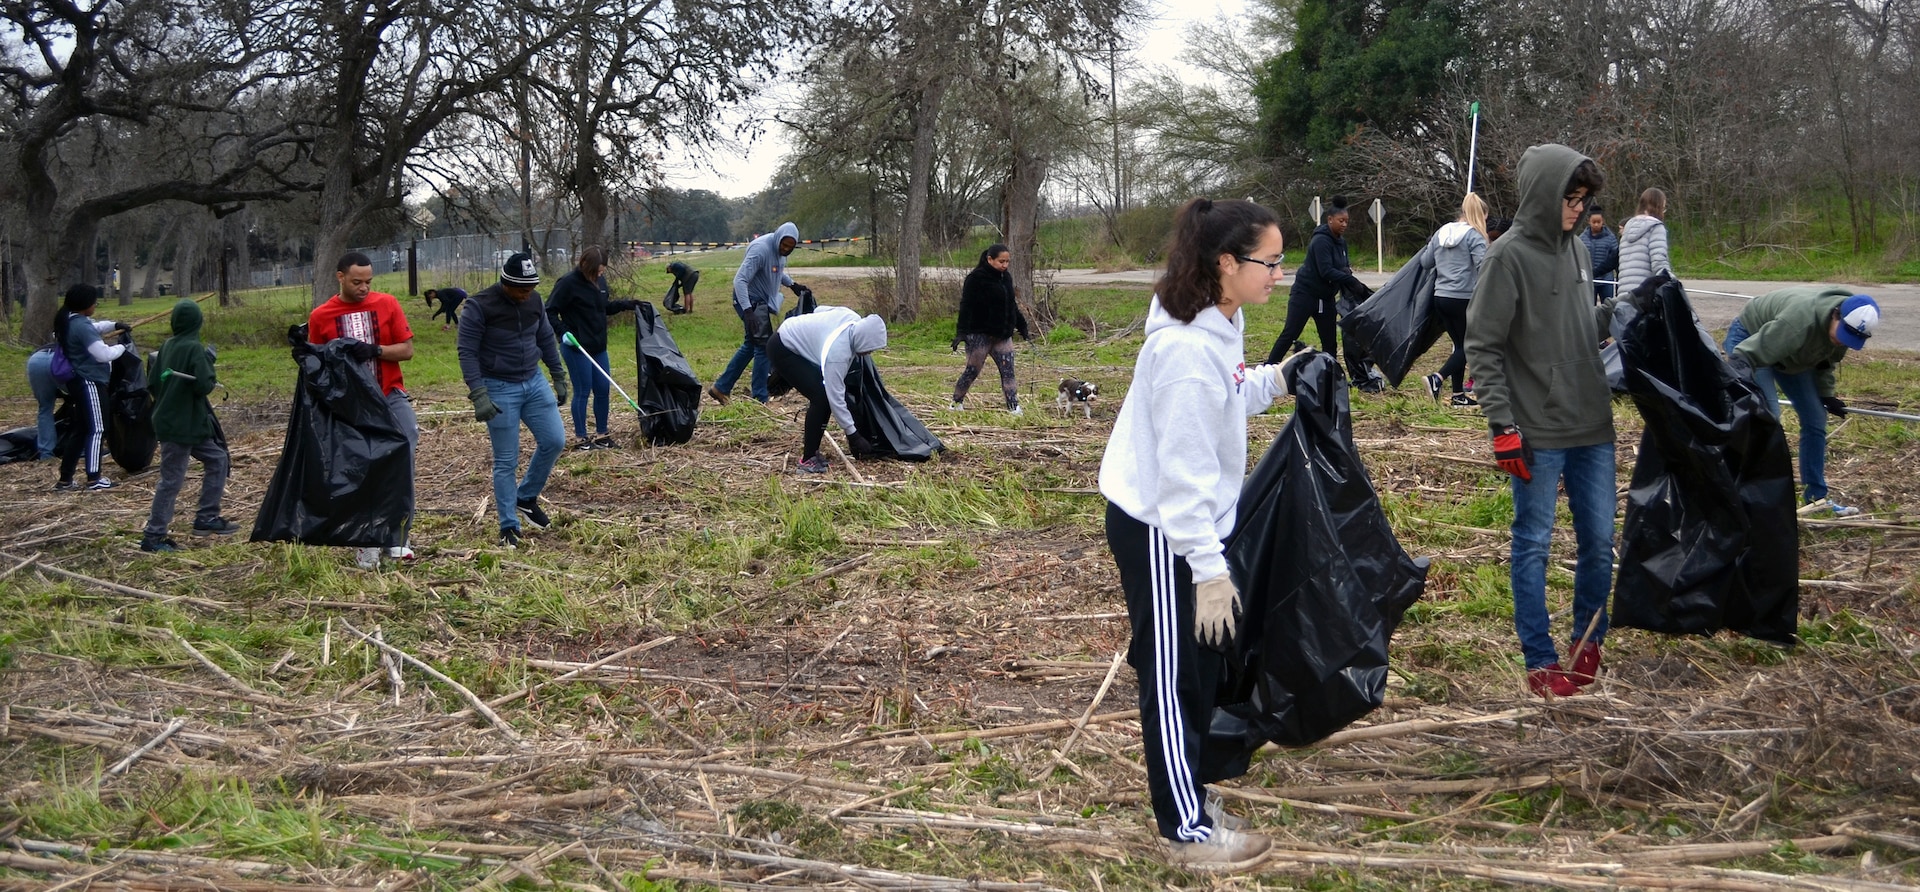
(212, 454)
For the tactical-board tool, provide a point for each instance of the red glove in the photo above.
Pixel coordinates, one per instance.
(1510, 449)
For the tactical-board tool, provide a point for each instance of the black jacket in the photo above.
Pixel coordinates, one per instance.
(582, 307)
(987, 306)
(1326, 272)
(506, 339)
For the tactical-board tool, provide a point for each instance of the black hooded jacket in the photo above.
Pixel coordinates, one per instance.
(1326, 272)
(987, 306)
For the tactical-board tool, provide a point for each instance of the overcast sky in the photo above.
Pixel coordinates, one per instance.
(750, 167)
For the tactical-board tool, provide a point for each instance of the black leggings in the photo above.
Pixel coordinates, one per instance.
(1453, 314)
(1299, 309)
(805, 377)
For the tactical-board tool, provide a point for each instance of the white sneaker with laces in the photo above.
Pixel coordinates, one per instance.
(957, 407)
(1216, 810)
(401, 552)
(1016, 411)
(367, 558)
(1224, 851)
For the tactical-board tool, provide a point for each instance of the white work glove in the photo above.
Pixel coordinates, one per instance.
(1215, 601)
(1291, 366)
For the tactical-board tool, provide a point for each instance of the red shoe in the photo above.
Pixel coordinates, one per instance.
(1550, 682)
(1586, 664)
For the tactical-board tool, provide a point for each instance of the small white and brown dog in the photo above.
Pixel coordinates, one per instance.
(1075, 391)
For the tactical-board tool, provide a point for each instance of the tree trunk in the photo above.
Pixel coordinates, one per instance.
(123, 255)
(1022, 208)
(914, 220)
(51, 258)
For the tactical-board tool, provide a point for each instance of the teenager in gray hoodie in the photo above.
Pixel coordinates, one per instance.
(1456, 252)
(1171, 475)
(1533, 346)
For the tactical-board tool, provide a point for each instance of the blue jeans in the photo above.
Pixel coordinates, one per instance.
(586, 380)
(1805, 397)
(749, 351)
(1589, 475)
(530, 401)
(40, 379)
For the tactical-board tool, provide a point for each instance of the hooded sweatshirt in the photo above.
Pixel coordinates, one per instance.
(1787, 332)
(505, 339)
(1533, 332)
(1178, 452)
(831, 337)
(1458, 249)
(1602, 249)
(987, 306)
(1643, 251)
(181, 413)
(763, 270)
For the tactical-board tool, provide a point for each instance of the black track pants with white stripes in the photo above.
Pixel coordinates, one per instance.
(1178, 676)
(87, 425)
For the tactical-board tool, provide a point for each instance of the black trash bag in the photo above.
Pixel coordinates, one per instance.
(1397, 325)
(668, 392)
(1710, 540)
(803, 302)
(346, 474)
(129, 414)
(20, 444)
(1323, 582)
(892, 430)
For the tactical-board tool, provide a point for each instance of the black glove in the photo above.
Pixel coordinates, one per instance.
(1834, 406)
(122, 326)
(297, 335)
(361, 351)
(955, 346)
(1511, 451)
(860, 445)
(621, 306)
(483, 408)
(1741, 365)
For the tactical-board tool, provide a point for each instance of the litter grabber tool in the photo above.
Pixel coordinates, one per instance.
(568, 340)
(1875, 413)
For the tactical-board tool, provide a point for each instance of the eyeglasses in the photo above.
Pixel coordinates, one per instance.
(1273, 268)
(1575, 202)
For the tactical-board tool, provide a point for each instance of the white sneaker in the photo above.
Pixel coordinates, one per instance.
(956, 407)
(401, 552)
(1223, 852)
(1016, 411)
(367, 558)
(1217, 811)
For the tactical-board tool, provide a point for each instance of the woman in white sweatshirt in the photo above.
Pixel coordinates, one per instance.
(1171, 475)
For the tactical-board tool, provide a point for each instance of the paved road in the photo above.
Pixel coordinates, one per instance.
(1899, 304)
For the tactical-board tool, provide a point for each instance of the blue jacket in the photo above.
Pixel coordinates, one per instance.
(763, 270)
(1604, 249)
(505, 339)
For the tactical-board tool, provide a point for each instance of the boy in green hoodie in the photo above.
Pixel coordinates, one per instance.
(1533, 348)
(183, 422)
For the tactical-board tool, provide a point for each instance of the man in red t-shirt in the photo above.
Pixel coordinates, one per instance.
(375, 320)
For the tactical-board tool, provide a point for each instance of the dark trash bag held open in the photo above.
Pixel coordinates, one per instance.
(668, 391)
(1397, 325)
(345, 475)
(892, 430)
(1323, 581)
(1710, 540)
(129, 415)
